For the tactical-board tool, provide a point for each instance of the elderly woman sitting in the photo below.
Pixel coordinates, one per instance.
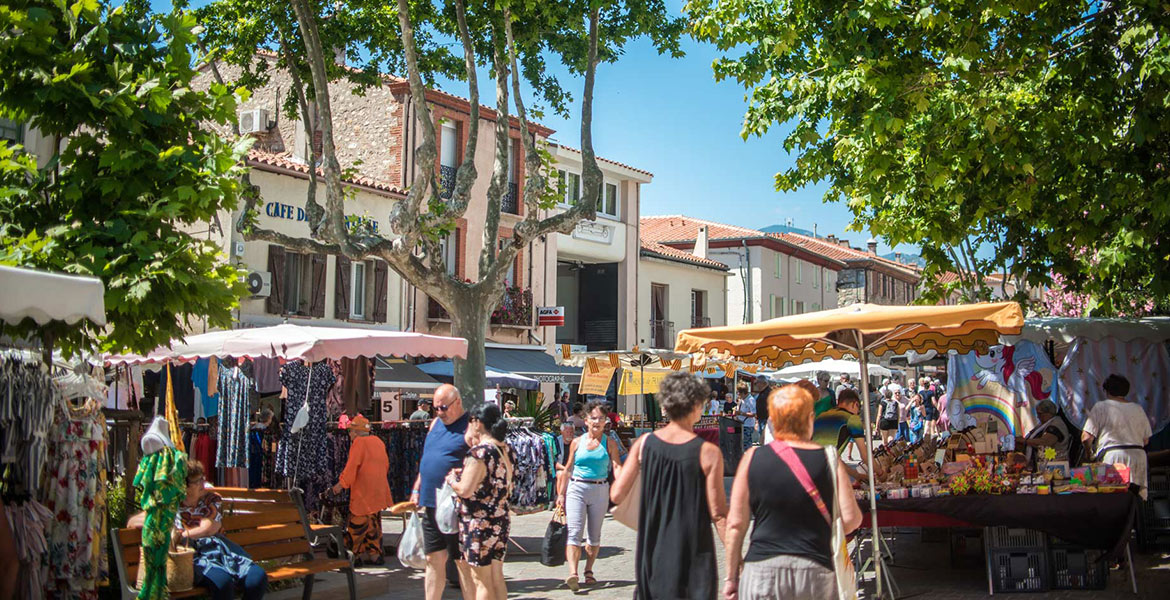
(1051, 432)
(221, 565)
(365, 477)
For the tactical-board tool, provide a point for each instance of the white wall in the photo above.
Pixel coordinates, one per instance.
(680, 279)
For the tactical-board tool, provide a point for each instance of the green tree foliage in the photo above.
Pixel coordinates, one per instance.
(1035, 129)
(126, 170)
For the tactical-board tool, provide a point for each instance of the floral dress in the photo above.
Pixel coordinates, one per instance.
(483, 518)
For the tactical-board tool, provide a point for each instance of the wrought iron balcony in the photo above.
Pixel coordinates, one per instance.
(661, 334)
(510, 203)
(697, 321)
(446, 181)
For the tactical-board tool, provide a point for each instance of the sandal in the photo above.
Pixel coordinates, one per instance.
(589, 580)
(572, 582)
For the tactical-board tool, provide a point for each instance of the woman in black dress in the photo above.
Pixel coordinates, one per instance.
(682, 496)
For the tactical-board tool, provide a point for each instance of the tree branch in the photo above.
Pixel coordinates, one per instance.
(335, 229)
(534, 177)
(564, 222)
(313, 210)
(466, 175)
(499, 181)
(405, 218)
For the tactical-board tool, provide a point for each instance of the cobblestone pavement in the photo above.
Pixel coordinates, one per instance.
(922, 568)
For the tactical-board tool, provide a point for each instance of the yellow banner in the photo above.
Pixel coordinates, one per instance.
(637, 381)
(595, 381)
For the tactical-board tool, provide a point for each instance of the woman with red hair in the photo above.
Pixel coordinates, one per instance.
(790, 487)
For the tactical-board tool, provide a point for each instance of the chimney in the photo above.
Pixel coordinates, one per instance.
(843, 243)
(831, 238)
(701, 242)
(898, 257)
(871, 246)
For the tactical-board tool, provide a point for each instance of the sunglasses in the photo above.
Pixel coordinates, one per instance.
(442, 408)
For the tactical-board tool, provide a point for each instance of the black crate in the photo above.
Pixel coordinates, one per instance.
(1078, 568)
(1154, 523)
(1011, 538)
(1158, 483)
(1019, 571)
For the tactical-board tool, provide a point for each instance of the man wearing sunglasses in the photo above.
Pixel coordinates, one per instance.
(443, 450)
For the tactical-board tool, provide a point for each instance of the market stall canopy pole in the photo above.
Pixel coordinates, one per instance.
(45, 297)
(309, 343)
(859, 331)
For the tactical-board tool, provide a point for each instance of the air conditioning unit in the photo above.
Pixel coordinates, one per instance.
(254, 121)
(259, 284)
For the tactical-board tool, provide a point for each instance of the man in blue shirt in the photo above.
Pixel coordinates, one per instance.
(746, 413)
(443, 450)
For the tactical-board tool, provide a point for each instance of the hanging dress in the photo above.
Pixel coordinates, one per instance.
(675, 555)
(74, 490)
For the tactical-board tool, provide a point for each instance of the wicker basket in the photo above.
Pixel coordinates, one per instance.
(180, 569)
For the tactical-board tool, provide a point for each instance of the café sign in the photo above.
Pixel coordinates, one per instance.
(280, 210)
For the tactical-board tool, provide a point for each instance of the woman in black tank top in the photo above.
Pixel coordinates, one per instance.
(682, 496)
(789, 489)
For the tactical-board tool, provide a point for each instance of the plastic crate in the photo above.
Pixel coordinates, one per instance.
(1019, 571)
(1158, 483)
(1010, 538)
(1078, 568)
(1154, 523)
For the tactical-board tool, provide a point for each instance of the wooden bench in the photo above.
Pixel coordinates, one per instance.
(244, 500)
(266, 530)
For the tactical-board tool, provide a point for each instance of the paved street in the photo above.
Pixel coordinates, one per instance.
(921, 568)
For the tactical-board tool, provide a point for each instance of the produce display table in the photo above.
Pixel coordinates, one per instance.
(1100, 521)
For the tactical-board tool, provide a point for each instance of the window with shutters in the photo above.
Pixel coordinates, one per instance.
(799, 308)
(799, 270)
(779, 269)
(818, 272)
(778, 306)
(450, 248)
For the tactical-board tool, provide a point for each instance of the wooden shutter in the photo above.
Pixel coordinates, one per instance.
(317, 306)
(275, 302)
(381, 274)
(341, 285)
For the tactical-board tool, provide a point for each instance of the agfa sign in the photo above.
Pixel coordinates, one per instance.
(550, 316)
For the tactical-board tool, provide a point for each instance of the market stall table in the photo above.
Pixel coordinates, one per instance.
(1099, 521)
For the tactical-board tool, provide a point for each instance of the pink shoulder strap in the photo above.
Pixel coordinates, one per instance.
(786, 454)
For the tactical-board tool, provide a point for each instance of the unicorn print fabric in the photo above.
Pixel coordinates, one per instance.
(1004, 384)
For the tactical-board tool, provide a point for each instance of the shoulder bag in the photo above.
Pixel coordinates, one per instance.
(842, 565)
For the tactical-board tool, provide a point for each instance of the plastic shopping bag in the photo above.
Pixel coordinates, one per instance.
(411, 550)
(446, 511)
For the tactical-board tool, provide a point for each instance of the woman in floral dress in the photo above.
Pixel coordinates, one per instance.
(484, 485)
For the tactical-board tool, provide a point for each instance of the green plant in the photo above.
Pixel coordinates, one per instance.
(543, 417)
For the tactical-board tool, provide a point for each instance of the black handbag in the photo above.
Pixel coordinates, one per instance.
(556, 537)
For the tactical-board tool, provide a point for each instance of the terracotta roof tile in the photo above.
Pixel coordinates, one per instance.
(284, 162)
(680, 228)
(654, 248)
(606, 160)
(839, 252)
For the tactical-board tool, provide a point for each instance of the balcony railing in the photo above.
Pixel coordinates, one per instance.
(661, 334)
(697, 321)
(510, 203)
(446, 181)
(515, 309)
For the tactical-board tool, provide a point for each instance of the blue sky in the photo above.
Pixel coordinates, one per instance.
(669, 116)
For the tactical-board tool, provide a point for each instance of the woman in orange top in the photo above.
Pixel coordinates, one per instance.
(369, 492)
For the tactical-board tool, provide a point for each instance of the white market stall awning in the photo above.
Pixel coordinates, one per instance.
(834, 366)
(1065, 330)
(305, 342)
(44, 297)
